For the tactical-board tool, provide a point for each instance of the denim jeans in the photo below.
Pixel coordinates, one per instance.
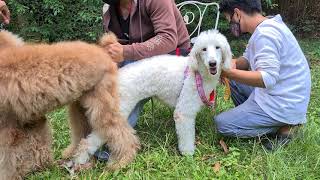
(247, 119)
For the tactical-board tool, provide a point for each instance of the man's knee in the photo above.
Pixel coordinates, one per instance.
(223, 126)
(232, 128)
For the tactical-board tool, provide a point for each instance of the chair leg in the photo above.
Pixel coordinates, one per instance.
(152, 109)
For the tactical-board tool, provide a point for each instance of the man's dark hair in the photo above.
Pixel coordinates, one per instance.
(248, 6)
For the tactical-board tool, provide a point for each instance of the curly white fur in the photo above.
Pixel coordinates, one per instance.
(163, 77)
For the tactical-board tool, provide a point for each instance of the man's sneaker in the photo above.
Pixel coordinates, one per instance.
(273, 142)
(282, 138)
(102, 154)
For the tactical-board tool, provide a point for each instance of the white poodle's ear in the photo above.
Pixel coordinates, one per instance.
(193, 40)
(226, 56)
(194, 58)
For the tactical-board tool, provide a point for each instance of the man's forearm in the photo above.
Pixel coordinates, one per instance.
(251, 78)
(157, 45)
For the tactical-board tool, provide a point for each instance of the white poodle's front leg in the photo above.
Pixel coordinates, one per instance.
(184, 116)
(185, 128)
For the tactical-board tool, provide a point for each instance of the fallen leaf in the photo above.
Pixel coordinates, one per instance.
(206, 157)
(73, 168)
(227, 92)
(82, 167)
(216, 167)
(198, 142)
(224, 146)
(65, 163)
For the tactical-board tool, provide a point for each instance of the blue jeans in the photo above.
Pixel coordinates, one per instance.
(247, 119)
(134, 115)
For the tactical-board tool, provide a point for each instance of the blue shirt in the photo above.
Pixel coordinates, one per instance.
(274, 51)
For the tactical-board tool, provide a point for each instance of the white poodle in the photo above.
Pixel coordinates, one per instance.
(168, 78)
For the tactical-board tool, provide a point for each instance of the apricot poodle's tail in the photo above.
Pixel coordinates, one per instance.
(108, 38)
(8, 39)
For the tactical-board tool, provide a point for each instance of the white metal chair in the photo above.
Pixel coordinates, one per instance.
(203, 9)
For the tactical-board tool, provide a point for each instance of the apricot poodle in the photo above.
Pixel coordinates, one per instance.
(38, 78)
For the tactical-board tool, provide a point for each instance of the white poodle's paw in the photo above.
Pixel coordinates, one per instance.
(82, 158)
(186, 151)
(82, 155)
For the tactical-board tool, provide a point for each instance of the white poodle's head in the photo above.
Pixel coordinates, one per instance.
(212, 49)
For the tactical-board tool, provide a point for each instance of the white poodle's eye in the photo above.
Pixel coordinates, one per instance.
(204, 49)
(218, 47)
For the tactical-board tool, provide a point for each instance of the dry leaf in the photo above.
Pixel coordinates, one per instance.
(198, 142)
(206, 157)
(217, 166)
(227, 92)
(224, 146)
(67, 165)
(72, 168)
(82, 167)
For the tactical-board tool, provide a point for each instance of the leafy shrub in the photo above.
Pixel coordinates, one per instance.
(55, 20)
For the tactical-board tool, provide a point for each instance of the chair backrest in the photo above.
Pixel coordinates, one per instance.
(202, 8)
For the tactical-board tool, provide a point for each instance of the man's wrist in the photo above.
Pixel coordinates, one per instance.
(228, 73)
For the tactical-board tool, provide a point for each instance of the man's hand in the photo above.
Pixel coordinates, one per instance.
(225, 73)
(234, 64)
(4, 12)
(115, 51)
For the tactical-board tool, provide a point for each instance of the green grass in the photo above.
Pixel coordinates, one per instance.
(159, 158)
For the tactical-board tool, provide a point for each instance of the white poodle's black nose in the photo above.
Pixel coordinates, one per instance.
(213, 64)
(213, 67)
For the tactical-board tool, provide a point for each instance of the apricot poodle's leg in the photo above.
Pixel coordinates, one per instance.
(79, 126)
(25, 149)
(107, 125)
(40, 138)
(8, 143)
(8, 165)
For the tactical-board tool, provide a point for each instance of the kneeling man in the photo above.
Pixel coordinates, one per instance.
(270, 83)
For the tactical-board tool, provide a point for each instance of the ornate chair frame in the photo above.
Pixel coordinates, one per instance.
(202, 8)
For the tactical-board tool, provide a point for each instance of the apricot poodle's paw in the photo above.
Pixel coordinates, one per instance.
(68, 152)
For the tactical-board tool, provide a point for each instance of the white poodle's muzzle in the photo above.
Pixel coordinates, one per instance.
(213, 59)
(213, 67)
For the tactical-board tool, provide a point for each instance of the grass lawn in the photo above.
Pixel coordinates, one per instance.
(160, 159)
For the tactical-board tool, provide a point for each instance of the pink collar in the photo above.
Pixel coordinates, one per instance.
(199, 83)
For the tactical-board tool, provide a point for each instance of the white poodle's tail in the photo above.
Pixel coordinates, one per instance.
(8, 39)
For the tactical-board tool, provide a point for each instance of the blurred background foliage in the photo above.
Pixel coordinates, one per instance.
(56, 20)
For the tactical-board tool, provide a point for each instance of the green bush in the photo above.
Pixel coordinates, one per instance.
(55, 20)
